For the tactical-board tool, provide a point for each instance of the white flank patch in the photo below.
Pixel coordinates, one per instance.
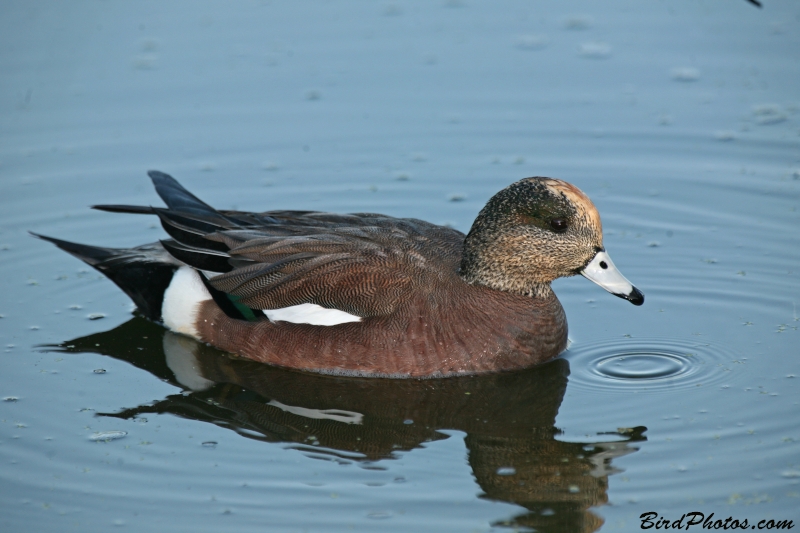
(310, 314)
(182, 301)
(348, 417)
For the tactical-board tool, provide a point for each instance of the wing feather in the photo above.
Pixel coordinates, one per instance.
(363, 263)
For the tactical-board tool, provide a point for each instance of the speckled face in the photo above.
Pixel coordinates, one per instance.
(530, 233)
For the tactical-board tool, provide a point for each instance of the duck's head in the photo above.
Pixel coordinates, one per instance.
(535, 231)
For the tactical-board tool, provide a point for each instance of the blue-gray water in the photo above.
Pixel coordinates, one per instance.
(679, 119)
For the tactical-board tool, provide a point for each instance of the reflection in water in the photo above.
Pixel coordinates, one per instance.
(509, 419)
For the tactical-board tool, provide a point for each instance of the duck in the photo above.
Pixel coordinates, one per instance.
(366, 294)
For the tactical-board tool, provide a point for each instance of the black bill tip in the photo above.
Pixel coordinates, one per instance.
(635, 296)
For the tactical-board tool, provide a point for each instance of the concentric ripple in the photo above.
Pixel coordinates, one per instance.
(646, 364)
(642, 366)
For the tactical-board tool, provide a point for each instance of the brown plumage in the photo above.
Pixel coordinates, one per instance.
(424, 300)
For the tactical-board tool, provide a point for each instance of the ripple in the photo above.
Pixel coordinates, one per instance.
(641, 366)
(646, 364)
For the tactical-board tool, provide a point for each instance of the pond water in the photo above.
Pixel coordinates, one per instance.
(679, 119)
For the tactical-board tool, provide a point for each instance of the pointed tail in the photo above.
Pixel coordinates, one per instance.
(144, 272)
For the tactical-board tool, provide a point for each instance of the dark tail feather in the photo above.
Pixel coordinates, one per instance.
(144, 272)
(188, 232)
(187, 218)
(91, 255)
(178, 198)
(174, 195)
(134, 209)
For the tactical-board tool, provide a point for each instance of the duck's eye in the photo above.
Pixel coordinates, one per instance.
(558, 225)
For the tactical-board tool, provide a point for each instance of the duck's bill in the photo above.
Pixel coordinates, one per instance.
(602, 271)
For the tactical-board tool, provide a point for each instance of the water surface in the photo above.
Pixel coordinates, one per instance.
(680, 121)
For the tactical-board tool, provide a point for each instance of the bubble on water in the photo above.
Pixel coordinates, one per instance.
(685, 74)
(578, 22)
(209, 444)
(95, 316)
(769, 114)
(107, 436)
(149, 44)
(145, 61)
(595, 50)
(725, 135)
(531, 42)
(99, 370)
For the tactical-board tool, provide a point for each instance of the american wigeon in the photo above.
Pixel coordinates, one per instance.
(366, 294)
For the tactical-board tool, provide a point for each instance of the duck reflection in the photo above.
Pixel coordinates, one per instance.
(508, 418)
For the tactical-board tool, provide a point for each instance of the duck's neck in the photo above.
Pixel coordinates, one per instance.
(495, 275)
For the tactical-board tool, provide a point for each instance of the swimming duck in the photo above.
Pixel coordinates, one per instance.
(365, 294)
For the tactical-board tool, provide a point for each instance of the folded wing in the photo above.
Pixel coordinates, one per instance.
(365, 264)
